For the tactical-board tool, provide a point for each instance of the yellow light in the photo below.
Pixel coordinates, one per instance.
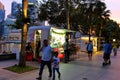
(39, 31)
(114, 40)
(25, 5)
(94, 41)
(30, 3)
(58, 30)
(25, 27)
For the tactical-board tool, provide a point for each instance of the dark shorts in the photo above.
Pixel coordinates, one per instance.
(106, 56)
(89, 52)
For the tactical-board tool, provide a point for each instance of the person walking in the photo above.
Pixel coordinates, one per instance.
(55, 65)
(107, 51)
(90, 50)
(46, 59)
(66, 51)
(115, 46)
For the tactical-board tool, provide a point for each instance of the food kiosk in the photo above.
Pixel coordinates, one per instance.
(55, 36)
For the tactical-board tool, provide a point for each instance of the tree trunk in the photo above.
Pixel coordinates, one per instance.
(22, 61)
(99, 38)
(67, 17)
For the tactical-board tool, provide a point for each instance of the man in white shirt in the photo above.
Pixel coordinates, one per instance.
(46, 59)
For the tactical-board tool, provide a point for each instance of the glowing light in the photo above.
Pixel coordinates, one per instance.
(25, 5)
(114, 40)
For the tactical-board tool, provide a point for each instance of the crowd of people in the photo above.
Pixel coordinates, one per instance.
(107, 49)
(52, 61)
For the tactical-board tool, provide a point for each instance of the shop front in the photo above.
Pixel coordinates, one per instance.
(85, 40)
(36, 35)
(56, 37)
(95, 41)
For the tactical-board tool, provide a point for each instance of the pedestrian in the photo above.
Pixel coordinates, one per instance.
(107, 51)
(55, 65)
(45, 59)
(115, 46)
(66, 51)
(90, 50)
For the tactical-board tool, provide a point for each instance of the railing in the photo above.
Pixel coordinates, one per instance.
(9, 47)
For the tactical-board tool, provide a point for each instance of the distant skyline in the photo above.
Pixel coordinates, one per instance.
(112, 5)
(7, 5)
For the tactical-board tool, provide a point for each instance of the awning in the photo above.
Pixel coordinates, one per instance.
(66, 30)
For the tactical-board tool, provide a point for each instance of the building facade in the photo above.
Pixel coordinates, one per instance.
(33, 10)
(2, 16)
(14, 7)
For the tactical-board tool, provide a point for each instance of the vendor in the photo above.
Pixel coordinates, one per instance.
(28, 48)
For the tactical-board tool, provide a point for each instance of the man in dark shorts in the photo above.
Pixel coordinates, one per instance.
(107, 52)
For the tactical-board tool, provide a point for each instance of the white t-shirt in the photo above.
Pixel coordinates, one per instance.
(55, 62)
(46, 53)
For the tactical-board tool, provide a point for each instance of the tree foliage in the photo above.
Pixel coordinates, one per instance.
(80, 12)
(54, 12)
(19, 20)
(111, 30)
(82, 15)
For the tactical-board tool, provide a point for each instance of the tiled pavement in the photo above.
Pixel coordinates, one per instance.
(79, 69)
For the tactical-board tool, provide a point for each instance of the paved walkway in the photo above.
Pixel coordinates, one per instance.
(79, 69)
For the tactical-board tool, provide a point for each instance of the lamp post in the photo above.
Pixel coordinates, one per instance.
(22, 61)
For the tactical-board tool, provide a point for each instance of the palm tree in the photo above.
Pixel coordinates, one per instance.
(101, 17)
(111, 30)
(22, 62)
